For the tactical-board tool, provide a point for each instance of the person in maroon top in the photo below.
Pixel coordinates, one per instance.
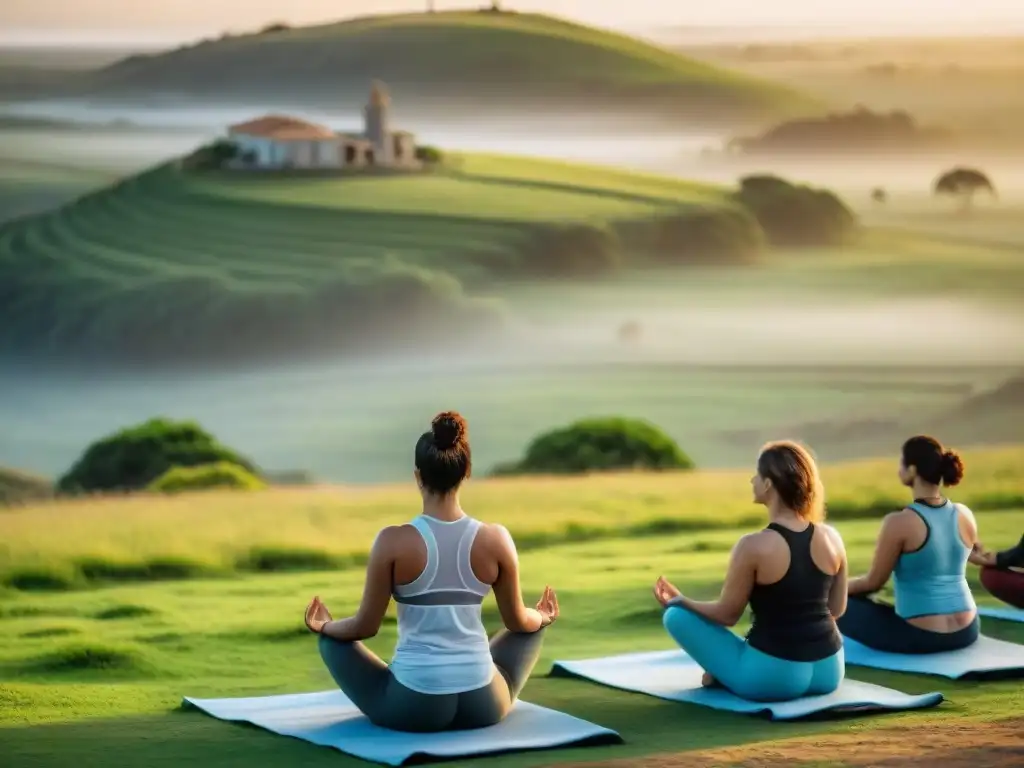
(1003, 574)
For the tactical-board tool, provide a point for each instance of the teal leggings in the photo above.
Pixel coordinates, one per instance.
(746, 671)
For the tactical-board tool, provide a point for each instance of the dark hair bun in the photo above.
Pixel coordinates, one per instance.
(449, 429)
(952, 468)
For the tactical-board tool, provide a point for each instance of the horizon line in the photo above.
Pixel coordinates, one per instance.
(41, 37)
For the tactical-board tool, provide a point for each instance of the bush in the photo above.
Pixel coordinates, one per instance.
(275, 28)
(796, 215)
(707, 235)
(594, 445)
(205, 477)
(429, 155)
(134, 457)
(212, 156)
(571, 250)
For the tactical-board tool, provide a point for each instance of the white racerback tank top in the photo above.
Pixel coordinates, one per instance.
(442, 643)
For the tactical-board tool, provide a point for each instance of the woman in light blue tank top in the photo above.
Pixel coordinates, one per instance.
(446, 674)
(925, 548)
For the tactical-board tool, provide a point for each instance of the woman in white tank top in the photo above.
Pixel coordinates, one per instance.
(445, 673)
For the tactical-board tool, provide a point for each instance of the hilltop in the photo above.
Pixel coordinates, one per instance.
(175, 266)
(498, 62)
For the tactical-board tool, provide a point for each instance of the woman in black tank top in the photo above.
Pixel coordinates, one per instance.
(793, 576)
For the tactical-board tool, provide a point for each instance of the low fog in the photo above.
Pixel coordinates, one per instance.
(355, 421)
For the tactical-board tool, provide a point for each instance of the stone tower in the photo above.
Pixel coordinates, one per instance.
(378, 129)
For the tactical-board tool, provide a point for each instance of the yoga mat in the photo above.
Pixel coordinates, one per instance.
(330, 719)
(674, 676)
(985, 659)
(1006, 614)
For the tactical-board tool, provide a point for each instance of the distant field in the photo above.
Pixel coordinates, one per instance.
(33, 187)
(182, 253)
(144, 538)
(968, 84)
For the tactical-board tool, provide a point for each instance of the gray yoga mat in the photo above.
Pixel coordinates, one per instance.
(1005, 613)
(987, 658)
(674, 676)
(329, 719)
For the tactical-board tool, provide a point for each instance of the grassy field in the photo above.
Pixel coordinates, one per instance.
(498, 60)
(28, 187)
(96, 676)
(182, 253)
(142, 538)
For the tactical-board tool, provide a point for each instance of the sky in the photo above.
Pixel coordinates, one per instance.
(33, 21)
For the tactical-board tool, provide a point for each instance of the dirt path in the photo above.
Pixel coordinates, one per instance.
(949, 745)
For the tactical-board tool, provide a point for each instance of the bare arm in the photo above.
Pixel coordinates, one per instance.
(376, 594)
(887, 552)
(838, 595)
(516, 616)
(739, 582)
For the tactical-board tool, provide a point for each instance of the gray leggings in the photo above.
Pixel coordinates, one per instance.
(368, 682)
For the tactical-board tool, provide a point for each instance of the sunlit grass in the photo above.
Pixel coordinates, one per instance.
(145, 538)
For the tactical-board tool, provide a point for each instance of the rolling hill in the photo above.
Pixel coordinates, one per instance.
(479, 61)
(179, 265)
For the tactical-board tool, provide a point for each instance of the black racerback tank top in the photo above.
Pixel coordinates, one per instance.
(791, 617)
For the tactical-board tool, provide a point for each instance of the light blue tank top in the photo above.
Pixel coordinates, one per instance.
(932, 580)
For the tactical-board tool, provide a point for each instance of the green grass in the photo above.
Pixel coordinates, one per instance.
(96, 678)
(28, 186)
(497, 61)
(177, 253)
(152, 538)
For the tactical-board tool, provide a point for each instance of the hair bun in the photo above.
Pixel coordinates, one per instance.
(449, 429)
(952, 468)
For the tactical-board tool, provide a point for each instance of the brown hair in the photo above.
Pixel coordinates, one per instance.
(794, 475)
(934, 464)
(442, 455)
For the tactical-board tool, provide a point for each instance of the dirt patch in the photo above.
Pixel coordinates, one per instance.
(950, 745)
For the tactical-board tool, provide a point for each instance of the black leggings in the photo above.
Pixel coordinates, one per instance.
(368, 682)
(877, 626)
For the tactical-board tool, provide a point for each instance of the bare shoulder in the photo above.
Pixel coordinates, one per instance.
(495, 536)
(964, 510)
(833, 535)
(394, 534)
(900, 519)
(756, 542)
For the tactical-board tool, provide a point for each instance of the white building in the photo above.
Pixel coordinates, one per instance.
(282, 141)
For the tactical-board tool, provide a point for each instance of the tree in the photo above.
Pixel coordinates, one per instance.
(879, 195)
(963, 184)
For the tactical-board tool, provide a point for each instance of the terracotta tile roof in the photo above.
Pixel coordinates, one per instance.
(283, 128)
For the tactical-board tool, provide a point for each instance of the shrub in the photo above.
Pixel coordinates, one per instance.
(205, 477)
(429, 155)
(134, 457)
(796, 215)
(212, 156)
(571, 250)
(601, 444)
(707, 235)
